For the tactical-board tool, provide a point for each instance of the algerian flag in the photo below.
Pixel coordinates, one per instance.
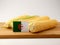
(19, 26)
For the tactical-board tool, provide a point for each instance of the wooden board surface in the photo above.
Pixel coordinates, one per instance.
(8, 33)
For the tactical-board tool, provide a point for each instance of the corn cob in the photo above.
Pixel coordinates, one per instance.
(25, 18)
(37, 18)
(34, 18)
(42, 25)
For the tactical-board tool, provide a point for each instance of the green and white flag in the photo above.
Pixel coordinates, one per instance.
(20, 26)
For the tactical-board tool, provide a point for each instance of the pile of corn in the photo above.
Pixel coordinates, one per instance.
(36, 23)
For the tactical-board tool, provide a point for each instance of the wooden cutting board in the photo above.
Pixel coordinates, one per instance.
(51, 33)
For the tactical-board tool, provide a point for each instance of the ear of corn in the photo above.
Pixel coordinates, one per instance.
(42, 25)
(37, 18)
(27, 19)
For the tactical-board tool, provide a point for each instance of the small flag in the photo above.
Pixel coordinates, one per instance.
(19, 26)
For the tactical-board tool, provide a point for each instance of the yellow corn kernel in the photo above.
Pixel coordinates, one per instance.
(42, 25)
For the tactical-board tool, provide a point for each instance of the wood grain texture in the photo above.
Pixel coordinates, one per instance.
(8, 33)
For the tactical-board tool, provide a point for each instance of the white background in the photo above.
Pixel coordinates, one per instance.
(13, 8)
